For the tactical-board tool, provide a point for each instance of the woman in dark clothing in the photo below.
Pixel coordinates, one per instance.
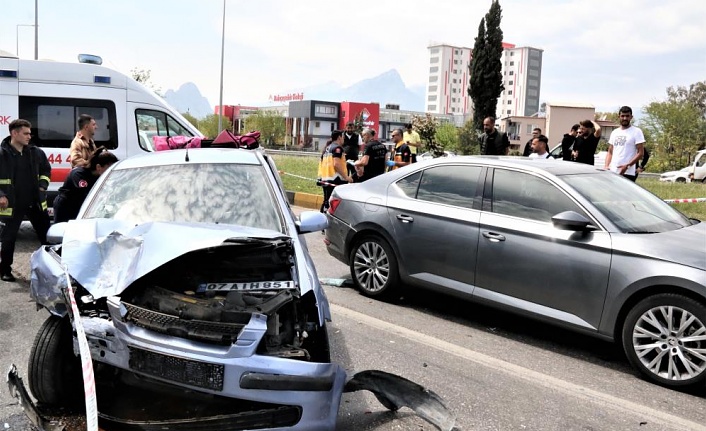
(79, 182)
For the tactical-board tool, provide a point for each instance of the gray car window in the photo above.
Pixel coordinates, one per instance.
(450, 185)
(193, 193)
(523, 195)
(410, 184)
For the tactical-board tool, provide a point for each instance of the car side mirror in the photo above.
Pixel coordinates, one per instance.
(311, 221)
(571, 220)
(55, 234)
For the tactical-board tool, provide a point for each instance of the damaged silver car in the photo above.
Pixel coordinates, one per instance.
(199, 300)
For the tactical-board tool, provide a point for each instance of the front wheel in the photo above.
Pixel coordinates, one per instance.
(54, 371)
(374, 267)
(664, 337)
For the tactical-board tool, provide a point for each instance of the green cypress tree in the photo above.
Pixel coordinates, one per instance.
(486, 81)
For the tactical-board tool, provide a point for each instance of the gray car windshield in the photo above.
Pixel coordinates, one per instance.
(629, 206)
(193, 193)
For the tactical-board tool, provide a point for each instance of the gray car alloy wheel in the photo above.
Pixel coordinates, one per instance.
(373, 267)
(667, 339)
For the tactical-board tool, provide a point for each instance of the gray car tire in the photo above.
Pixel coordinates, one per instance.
(54, 371)
(373, 267)
(664, 336)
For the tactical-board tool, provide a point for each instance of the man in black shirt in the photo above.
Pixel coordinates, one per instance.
(567, 143)
(372, 163)
(351, 145)
(586, 142)
(493, 143)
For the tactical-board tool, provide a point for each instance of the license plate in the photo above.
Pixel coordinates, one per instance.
(254, 285)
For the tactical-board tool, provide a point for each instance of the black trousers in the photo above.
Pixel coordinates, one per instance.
(40, 222)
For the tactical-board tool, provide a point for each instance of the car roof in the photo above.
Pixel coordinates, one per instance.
(552, 166)
(195, 155)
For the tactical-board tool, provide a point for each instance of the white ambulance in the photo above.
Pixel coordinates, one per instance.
(52, 95)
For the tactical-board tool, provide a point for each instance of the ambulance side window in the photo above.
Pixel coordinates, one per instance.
(54, 120)
(152, 123)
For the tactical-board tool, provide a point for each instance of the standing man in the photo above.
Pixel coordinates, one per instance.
(332, 167)
(540, 148)
(402, 153)
(626, 146)
(586, 142)
(24, 177)
(351, 145)
(493, 143)
(567, 143)
(528, 146)
(413, 140)
(82, 147)
(372, 163)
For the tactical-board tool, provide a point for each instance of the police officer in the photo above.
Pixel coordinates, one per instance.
(79, 182)
(24, 177)
(372, 163)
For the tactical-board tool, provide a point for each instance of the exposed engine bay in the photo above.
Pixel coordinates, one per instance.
(209, 295)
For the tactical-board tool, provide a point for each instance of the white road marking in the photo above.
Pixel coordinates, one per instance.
(516, 371)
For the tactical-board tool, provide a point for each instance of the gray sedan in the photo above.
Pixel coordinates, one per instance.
(561, 242)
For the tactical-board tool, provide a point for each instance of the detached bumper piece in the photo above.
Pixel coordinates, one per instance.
(18, 390)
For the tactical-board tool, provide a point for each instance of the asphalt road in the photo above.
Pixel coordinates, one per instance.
(494, 370)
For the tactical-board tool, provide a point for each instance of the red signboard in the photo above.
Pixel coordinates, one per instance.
(368, 113)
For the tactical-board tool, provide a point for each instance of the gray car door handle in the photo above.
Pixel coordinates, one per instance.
(494, 237)
(405, 218)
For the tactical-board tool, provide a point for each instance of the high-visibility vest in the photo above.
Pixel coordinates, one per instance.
(327, 172)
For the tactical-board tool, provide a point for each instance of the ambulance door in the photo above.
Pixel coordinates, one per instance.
(9, 85)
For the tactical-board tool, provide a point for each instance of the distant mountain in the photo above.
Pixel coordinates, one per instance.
(188, 98)
(385, 88)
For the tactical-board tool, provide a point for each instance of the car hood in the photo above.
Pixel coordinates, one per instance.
(106, 256)
(685, 246)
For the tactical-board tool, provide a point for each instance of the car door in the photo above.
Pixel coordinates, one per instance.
(435, 214)
(526, 263)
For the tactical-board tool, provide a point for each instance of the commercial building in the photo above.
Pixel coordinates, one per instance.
(449, 75)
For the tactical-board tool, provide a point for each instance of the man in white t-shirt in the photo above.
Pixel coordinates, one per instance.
(540, 148)
(626, 146)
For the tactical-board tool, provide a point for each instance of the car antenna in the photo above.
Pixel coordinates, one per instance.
(186, 158)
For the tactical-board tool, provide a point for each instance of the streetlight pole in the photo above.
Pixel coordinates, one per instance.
(36, 30)
(17, 37)
(223, 42)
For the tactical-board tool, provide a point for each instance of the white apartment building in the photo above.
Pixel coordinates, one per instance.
(447, 89)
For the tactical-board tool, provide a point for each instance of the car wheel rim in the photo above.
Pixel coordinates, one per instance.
(671, 343)
(371, 266)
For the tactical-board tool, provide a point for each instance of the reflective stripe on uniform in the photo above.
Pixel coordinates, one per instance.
(5, 181)
(44, 177)
(6, 212)
(44, 205)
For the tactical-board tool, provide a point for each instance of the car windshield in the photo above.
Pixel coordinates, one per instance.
(193, 193)
(629, 206)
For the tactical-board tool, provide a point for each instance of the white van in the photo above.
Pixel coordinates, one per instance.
(697, 170)
(51, 95)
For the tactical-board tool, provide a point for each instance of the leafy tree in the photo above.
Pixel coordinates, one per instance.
(209, 125)
(270, 124)
(144, 77)
(676, 127)
(468, 139)
(447, 136)
(426, 127)
(191, 119)
(486, 80)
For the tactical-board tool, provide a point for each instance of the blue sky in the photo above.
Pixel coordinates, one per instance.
(601, 52)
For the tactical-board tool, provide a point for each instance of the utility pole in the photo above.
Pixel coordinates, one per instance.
(223, 42)
(36, 29)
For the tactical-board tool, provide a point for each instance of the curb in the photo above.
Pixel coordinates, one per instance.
(306, 200)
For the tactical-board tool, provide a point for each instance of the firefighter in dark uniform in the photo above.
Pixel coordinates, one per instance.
(25, 174)
(79, 182)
